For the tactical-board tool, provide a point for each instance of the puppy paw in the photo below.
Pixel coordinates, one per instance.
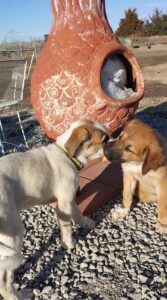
(119, 214)
(161, 228)
(68, 244)
(88, 223)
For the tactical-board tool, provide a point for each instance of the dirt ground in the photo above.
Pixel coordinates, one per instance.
(153, 63)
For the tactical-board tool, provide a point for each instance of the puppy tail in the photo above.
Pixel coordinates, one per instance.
(9, 257)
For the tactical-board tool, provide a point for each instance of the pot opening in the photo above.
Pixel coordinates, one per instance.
(117, 77)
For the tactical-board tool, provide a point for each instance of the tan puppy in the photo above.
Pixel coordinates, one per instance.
(37, 177)
(143, 154)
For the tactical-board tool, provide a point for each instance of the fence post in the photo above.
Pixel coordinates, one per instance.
(32, 57)
(21, 52)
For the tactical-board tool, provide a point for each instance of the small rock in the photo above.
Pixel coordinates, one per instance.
(47, 289)
(86, 274)
(118, 261)
(83, 265)
(143, 278)
(92, 267)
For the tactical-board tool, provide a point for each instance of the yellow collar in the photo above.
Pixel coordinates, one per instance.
(79, 165)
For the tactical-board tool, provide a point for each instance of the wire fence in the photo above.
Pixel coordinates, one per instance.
(14, 88)
(19, 50)
(17, 60)
(10, 72)
(13, 56)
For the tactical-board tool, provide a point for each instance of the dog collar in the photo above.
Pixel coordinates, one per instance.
(79, 165)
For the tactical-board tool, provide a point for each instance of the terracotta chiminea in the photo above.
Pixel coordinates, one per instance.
(66, 82)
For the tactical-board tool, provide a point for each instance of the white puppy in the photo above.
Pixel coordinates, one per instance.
(40, 176)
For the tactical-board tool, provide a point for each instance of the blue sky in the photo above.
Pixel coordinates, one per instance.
(32, 18)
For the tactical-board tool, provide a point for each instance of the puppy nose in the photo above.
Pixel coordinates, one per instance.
(111, 152)
(107, 149)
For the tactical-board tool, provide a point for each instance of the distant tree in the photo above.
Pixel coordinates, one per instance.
(130, 25)
(156, 24)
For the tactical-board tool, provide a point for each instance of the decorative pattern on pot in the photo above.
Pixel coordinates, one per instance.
(67, 82)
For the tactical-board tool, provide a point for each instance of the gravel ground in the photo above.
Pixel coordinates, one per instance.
(114, 261)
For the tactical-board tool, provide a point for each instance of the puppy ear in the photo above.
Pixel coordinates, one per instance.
(152, 160)
(78, 136)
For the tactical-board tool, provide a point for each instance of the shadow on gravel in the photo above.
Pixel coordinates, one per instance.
(155, 116)
(43, 278)
(14, 141)
(40, 280)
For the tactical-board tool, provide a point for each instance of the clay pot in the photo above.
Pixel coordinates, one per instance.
(66, 82)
